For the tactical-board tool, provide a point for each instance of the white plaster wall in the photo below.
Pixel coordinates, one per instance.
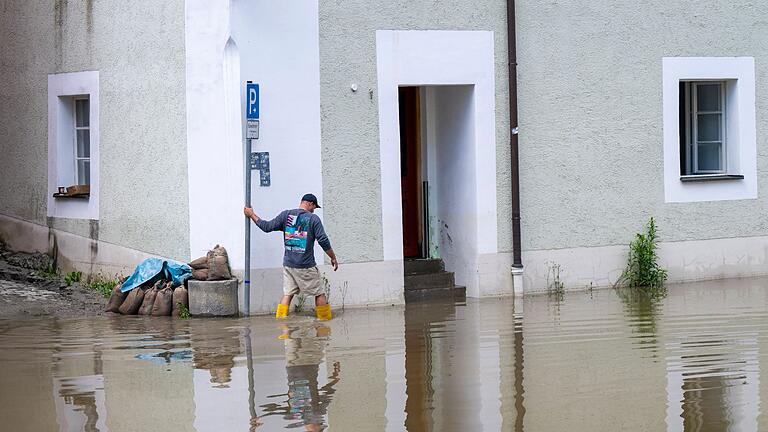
(591, 106)
(216, 189)
(350, 120)
(75, 252)
(454, 180)
(279, 50)
(138, 51)
(274, 44)
(354, 284)
(685, 261)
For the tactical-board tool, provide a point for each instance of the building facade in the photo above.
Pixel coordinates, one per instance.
(396, 115)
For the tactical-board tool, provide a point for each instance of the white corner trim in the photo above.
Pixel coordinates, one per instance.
(433, 58)
(741, 126)
(72, 84)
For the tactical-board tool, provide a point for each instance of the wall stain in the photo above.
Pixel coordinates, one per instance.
(94, 248)
(60, 15)
(89, 15)
(53, 247)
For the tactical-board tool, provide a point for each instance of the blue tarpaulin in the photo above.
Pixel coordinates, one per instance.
(151, 267)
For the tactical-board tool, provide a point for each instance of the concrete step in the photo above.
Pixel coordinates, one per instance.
(423, 266)
(442, 279)
(456, 293)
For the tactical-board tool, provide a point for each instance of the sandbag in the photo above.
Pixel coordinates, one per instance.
(163, 304)
(132, 301)
(149, 299)
(218, 264)
(116, 299)
(200, 263)
(180, 298)
(201, 274)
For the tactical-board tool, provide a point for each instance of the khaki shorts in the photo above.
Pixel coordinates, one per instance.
(305, 280)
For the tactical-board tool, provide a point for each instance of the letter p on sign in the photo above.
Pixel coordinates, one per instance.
(252, 105)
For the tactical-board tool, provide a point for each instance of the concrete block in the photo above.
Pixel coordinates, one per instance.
(213, 298)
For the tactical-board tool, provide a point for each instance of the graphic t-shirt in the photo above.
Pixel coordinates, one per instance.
(300, 230)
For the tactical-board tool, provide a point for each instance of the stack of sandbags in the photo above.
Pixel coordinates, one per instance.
(213, 266)
(154, 298)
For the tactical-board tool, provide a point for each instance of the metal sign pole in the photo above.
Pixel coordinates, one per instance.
(247, 282)
(251, 133)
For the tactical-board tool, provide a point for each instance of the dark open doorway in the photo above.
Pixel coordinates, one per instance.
(410, 163)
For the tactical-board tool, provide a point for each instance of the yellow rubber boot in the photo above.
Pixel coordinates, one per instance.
(285, 332)
(324, 312)
(282, 311)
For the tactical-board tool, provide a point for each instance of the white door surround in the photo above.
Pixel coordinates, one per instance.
(439, 58)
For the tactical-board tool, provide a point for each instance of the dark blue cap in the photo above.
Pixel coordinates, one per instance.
(311, 198)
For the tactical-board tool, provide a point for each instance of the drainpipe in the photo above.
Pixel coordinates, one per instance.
(517, 265)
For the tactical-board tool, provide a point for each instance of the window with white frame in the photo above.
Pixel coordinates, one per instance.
(73, 145)
(82, 135)
(703, 140)
(709, 128)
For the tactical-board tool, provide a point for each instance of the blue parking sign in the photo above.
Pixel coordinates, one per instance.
(252, 101)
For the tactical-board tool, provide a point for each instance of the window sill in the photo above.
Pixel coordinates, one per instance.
(75, 196)
(710, 177)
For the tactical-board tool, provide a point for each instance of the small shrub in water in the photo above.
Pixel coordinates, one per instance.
(643, 270)
(554, 285)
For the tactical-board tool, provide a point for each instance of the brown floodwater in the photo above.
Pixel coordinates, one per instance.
(589, 361)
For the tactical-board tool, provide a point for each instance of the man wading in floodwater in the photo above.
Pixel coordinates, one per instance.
(301, 227)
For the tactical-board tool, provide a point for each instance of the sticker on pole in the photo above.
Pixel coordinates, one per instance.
(260, 161)
(251, 129)
(252, 101)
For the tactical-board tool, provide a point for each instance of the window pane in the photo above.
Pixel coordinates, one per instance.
(83, 172)
(708, 97)
(709, 126)
(83, 143)
(81, 113)
(709, 157)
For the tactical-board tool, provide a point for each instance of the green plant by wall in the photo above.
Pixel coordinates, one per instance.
(73, 277)
(49, 272)
(643, 270)
(183, 310)
(103, 286)
(298, 306)
(555, 287)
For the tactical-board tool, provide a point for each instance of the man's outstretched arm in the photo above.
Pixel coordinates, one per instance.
(275, 224)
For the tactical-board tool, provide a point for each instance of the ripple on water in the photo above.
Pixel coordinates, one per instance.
(599, 361)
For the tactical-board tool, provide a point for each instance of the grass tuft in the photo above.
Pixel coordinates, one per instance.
(73, 277)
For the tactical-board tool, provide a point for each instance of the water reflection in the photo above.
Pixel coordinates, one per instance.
(306, 402)
(601, 361)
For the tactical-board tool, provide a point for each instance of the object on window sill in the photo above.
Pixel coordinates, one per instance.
(77, 191)
(710, 177)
